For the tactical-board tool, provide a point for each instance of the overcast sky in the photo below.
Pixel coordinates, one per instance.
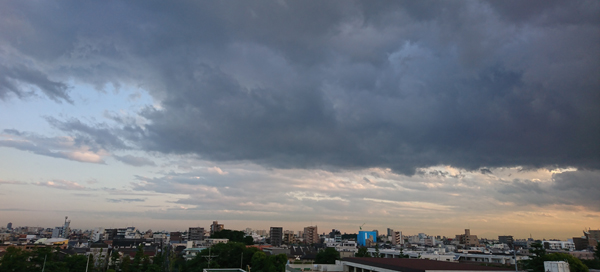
(421, 116)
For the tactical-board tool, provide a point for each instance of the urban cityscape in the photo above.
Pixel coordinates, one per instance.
(299, 136)
(191, 249)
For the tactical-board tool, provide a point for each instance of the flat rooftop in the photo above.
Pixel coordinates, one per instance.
(420, 265)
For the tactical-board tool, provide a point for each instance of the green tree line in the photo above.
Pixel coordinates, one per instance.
(18, 260)
(234, 236)
(235, 255)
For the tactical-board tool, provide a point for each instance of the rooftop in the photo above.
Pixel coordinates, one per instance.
(420, 265)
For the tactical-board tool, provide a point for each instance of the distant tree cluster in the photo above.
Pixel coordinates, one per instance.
(536, 262)
(234, 236)
(232, 255)
(49, 260)
(351, 236)
(327, 256)
(19, 260)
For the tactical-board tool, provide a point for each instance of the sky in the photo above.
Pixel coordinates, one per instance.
(420, 116)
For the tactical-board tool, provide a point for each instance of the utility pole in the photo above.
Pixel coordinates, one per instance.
(44, 266)
(209, 256)
(242, 261)
(87, 264)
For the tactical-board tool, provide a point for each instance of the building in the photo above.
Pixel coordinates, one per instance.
(311, 236)
(109, 234)
(62, 232)
(559, 245)
(467, 239)
(366, 238)
(336, 235)
(506, 239)
(276, 234)
(196, 234)
(9, 226)
(580, 243)
(214, 241)
(175, 237)
(390, 232)
(397, 238)
(97, 234)
(593, 237)
(412, 265)
(288, 237)
(216, 227)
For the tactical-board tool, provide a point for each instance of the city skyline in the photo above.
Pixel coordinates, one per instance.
(423, 116)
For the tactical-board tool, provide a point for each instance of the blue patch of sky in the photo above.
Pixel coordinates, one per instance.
(89, 104)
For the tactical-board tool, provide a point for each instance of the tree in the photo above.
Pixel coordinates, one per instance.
(232, 235)
(362, 252)
(377, 255)
(259, 261)
(402, 255)
(575, 265)
(137, 259)
(248, 240)
(15, 259)
(76, 262)
(536, 263)
(159, 259)
(114, 258)
(145, 263)
(327, 256)
(276, 263)
(126, 264)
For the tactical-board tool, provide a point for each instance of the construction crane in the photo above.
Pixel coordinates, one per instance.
(361, 226)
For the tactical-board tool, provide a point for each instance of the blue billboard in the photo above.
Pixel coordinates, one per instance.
(364, 236)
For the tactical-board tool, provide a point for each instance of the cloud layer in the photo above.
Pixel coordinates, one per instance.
(397, 111)
(346, 85)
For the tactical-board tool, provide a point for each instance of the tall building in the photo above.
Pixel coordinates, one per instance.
(64, 231)
(390, 232)
(288, 237)
(311, 236)
(196, 234)
(216, 227)
(9, 225)
(397, 238)
(276, 234)
(467, 239)
(506, 239)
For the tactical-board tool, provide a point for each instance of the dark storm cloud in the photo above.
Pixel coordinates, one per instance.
(16, 80)
(400, 85)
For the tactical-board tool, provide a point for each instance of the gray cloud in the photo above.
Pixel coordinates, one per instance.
(16, 79)
(135, 161)
(125, 200)
(576, 188)
(62, 184)
(56, 147)
(398, 85)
